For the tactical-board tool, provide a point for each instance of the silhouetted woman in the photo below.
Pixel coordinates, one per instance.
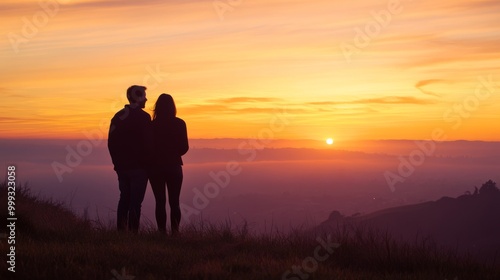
(170, 143)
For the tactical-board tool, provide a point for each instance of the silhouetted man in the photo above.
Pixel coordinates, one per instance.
(128, 141)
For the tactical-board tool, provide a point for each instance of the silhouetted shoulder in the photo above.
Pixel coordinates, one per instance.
(177, 124)
(180, 122)
(131, 114)
(145, 115)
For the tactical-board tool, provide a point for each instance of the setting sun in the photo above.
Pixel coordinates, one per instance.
(329, 141)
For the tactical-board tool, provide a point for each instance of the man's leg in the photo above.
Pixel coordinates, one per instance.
(138, 184)
(174, 184)
(124, 202)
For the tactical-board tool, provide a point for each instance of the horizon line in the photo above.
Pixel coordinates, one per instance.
(277, 139)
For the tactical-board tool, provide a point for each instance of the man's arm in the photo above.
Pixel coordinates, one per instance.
(112, 139)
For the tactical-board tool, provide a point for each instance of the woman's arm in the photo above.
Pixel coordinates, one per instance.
(183, 138)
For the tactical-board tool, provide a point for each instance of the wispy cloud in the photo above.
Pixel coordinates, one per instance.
(396, 100)
(379, 100)
(224, 110)
(484, 5)
(235, 100)
(424, 83)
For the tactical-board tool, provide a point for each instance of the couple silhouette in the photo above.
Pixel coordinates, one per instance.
(143, 149)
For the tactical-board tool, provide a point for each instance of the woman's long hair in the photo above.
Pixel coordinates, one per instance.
(164, 107)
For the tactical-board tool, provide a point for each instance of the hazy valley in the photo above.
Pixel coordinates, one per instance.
(274, 188)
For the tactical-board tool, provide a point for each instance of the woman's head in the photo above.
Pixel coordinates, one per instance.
(165, 107)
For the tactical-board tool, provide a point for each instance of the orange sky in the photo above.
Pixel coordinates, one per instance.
(350, 70)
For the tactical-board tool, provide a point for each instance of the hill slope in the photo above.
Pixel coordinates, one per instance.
(469, 223)
(52, 243)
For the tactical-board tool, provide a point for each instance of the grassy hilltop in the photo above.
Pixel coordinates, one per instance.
(53, 243)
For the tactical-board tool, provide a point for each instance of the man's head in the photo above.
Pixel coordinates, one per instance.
(137, 95)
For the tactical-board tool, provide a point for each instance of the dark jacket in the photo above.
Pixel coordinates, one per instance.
(170, 141)
(129, 138)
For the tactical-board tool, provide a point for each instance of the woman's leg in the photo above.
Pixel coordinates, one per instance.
(157, 180)
(174, 184)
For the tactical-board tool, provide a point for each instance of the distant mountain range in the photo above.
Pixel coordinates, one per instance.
(469, 222)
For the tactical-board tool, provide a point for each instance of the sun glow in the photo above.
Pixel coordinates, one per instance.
(329, 141)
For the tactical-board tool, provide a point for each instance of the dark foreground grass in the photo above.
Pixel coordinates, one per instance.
(51, 243)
